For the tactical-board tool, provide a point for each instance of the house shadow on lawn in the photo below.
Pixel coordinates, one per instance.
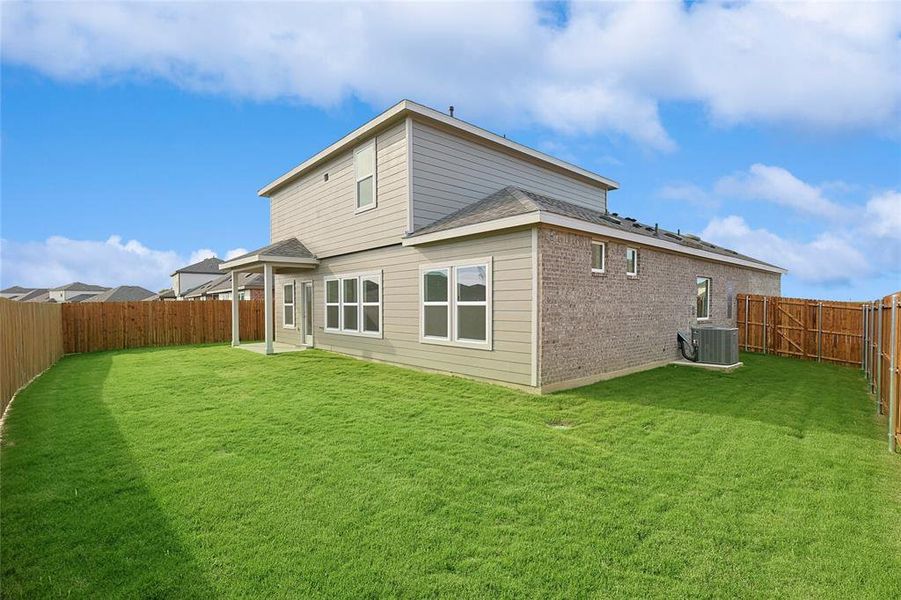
(800, 396)
(78, 518)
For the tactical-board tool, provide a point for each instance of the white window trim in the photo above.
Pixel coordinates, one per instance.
(637, 264)
(357, 178)
(453, 339)
(286, 304)
(340, 277)
(603, 245)
(709, 292)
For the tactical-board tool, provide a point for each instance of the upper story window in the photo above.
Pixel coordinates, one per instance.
(632, 261)
(364, 175)
(598, 256)
(703, 298)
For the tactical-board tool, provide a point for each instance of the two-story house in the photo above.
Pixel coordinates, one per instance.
(422, 240)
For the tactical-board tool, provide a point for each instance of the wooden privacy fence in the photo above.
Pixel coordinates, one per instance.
(91, 326)
(30, 341)
(866, 335)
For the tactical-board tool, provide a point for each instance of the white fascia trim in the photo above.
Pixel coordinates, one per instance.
(405, 107)
(594, 228)
(266, 258)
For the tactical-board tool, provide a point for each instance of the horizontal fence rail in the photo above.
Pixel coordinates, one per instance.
(30, 342)
(92, 326)
(865, 335)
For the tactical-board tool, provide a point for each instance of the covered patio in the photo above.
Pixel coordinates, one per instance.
(285, 257)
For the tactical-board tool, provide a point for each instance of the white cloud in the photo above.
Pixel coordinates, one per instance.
(828, 259)
(59, 260)
(778, 185)
(235, 252)
(688, 192)
(605, 69)
(883, 216)
(199, 255)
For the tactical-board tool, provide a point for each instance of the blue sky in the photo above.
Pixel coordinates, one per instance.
(140, 151)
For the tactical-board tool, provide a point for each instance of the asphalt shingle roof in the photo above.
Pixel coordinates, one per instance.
(33, 295)
(207, 265)
(291, 247)
(16, 289)
(511, 201)
(123, 293)
(77, 286)
(162, 295)
(80, 298)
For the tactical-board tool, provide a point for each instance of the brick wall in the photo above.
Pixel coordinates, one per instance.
(593, 324)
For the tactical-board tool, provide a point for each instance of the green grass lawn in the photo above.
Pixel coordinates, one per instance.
(205, 471)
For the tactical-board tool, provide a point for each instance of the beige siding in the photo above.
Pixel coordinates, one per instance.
(450, 172)
(510, 359)
(322, 213)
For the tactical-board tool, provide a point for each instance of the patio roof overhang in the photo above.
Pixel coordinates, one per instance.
(255, 263)
(281, 257)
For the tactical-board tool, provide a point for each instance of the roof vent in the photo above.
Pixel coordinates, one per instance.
(451, 110)
(692, 237)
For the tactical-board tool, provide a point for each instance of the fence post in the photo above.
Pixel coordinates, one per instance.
(893, 385)
(764, 324)
(863, 338)
(879, 356)
(747, 318)
(819, 332)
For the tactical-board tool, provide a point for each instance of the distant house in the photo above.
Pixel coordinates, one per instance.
(250, 287)
(14, 292)
(35, 295)
(75, 292)
(123, 293)
(166, 294)
(195, 275)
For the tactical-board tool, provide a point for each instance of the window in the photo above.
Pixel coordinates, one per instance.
(435, 305)
(353, 304)
(703, 298)
(364, 170)
(332, 305)
(456, 304)
(631, 261)
(288, 303)
(598, 256)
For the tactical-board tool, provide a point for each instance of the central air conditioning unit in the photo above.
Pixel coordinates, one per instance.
(710, 345)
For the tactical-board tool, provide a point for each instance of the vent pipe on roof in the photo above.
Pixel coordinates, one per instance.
(656, 229)
(451, 110)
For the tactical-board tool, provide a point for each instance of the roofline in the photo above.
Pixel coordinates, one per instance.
(545, 218)
(253, 259)
(407, 107)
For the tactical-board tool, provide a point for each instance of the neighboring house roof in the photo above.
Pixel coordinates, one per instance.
(203, 288)
(406, 108)
(511, 206)
(123, 293)
(77, 286)
(224, 284)
(30, 296)
(38, 295)
(207, 265)
(290, 250)
(16, 289)
(80, 298)
(162, 295)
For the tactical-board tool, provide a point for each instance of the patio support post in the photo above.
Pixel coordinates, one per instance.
(267, 296)
(893, 376)
(236, 330)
